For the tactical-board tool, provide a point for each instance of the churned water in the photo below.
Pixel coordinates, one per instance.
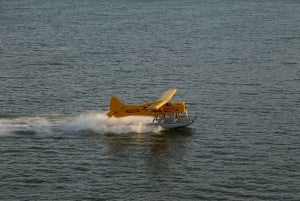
(235, 63)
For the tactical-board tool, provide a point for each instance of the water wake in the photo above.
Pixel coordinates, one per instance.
(24, 125)
(100, 123)
(94, 121)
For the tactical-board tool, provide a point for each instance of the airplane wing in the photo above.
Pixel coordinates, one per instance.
(163, 99)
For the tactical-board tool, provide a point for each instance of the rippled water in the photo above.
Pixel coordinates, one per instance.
(236, 63)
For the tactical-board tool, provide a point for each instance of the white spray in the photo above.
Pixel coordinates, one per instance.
(95, 121)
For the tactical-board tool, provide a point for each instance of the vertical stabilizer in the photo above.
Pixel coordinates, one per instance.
(115, 104)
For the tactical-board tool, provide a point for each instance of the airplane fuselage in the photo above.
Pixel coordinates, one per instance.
(118, 109)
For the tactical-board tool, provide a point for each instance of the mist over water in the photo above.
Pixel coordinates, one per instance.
(235, 63)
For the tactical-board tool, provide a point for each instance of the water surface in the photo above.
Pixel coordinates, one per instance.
(235, 63)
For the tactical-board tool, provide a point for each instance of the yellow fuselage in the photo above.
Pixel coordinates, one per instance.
(118, 109)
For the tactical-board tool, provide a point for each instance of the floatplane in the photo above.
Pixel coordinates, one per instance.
(165, 113)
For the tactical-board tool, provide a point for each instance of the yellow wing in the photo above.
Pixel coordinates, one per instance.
(163, 99)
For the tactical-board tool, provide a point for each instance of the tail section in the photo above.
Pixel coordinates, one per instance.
(115, 105)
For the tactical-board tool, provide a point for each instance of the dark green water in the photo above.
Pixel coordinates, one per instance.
(235, 63)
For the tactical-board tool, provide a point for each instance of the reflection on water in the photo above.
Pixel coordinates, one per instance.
(156, 143)
(152, 153)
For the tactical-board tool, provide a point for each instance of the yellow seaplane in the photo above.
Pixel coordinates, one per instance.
(165, 113)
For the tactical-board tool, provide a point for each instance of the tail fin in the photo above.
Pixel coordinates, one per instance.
(115, 104)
